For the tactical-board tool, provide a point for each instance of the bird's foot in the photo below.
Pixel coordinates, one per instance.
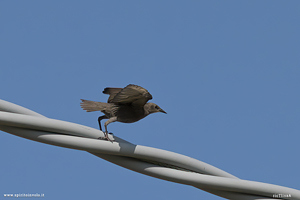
(106, 137)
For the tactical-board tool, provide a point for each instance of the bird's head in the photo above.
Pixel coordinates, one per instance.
(153, 108)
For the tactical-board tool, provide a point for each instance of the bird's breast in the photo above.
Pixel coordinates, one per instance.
(130, 114)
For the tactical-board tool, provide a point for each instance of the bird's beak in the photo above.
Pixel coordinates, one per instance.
(161, 110)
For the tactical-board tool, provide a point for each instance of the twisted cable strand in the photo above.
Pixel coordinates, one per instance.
(150, 161)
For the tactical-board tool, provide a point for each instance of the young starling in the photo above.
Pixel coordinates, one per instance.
(125, 105)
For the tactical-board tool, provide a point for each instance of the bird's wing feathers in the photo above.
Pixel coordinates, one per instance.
(111, 92)
(132, 94)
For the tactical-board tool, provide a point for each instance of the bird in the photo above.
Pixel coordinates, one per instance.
(126, 105)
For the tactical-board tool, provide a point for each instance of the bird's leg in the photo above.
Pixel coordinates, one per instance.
(110, 120)
(99, 120)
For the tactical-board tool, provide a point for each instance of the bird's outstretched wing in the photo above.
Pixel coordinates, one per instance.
(111, 92)
(132, 94)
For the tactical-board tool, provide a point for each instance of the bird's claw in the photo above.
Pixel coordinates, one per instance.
(106, 137)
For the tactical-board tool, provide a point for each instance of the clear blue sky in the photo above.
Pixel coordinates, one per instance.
(227, 73)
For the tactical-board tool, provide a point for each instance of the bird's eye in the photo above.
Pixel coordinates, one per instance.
(156, 107)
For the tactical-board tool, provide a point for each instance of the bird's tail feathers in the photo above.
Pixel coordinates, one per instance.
(91, 106)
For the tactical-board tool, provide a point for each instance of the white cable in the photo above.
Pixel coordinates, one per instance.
(154, 162)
